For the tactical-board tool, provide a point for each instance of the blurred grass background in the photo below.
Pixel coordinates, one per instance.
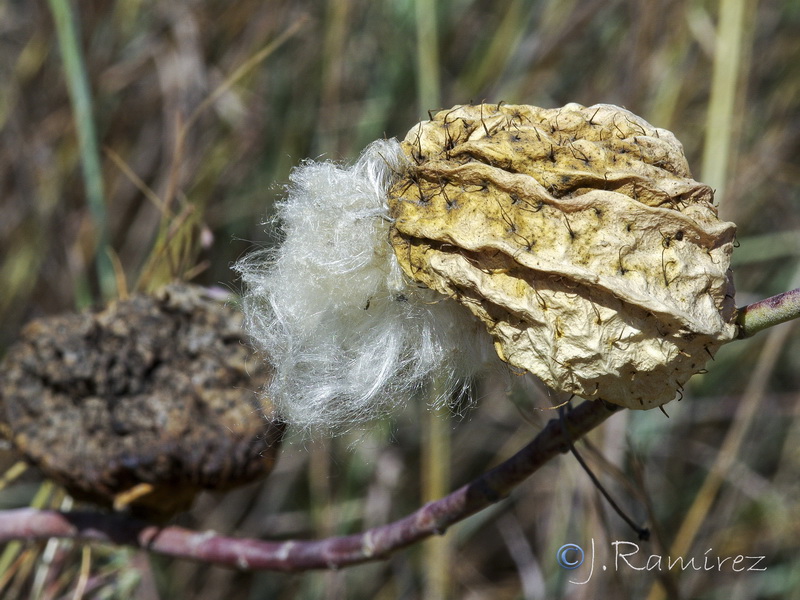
(200, 111)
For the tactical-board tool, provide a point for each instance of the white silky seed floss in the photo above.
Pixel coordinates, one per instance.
(348, 334)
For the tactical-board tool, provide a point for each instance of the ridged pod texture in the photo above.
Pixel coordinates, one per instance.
(577, 236)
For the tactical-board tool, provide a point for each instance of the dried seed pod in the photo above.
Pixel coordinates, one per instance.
(577, 236)
(142, 404)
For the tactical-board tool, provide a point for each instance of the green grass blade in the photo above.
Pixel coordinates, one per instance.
(80, 95)
(720, 118)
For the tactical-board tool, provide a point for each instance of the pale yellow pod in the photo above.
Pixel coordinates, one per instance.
(577, 236)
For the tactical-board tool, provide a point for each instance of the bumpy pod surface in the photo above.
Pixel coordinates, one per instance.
(577, 236)
(154, 394)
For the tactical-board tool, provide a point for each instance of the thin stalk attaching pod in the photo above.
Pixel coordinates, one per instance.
(768, 312)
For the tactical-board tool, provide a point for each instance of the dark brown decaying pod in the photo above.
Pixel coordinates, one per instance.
(142, 404)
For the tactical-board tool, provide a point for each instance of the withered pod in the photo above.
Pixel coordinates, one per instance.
(141, 404)
(577, 236)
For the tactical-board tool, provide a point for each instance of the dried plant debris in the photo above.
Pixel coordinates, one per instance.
(142, 404)
(577, 236)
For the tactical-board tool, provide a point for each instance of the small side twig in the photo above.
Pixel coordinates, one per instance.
(768, 312)
(373, 544)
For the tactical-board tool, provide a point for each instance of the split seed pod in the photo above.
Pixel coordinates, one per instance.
(579, 239)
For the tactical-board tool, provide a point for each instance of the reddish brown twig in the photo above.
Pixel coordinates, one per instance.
(373, 544)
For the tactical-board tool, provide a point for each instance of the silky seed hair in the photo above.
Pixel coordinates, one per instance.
(349, 336)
